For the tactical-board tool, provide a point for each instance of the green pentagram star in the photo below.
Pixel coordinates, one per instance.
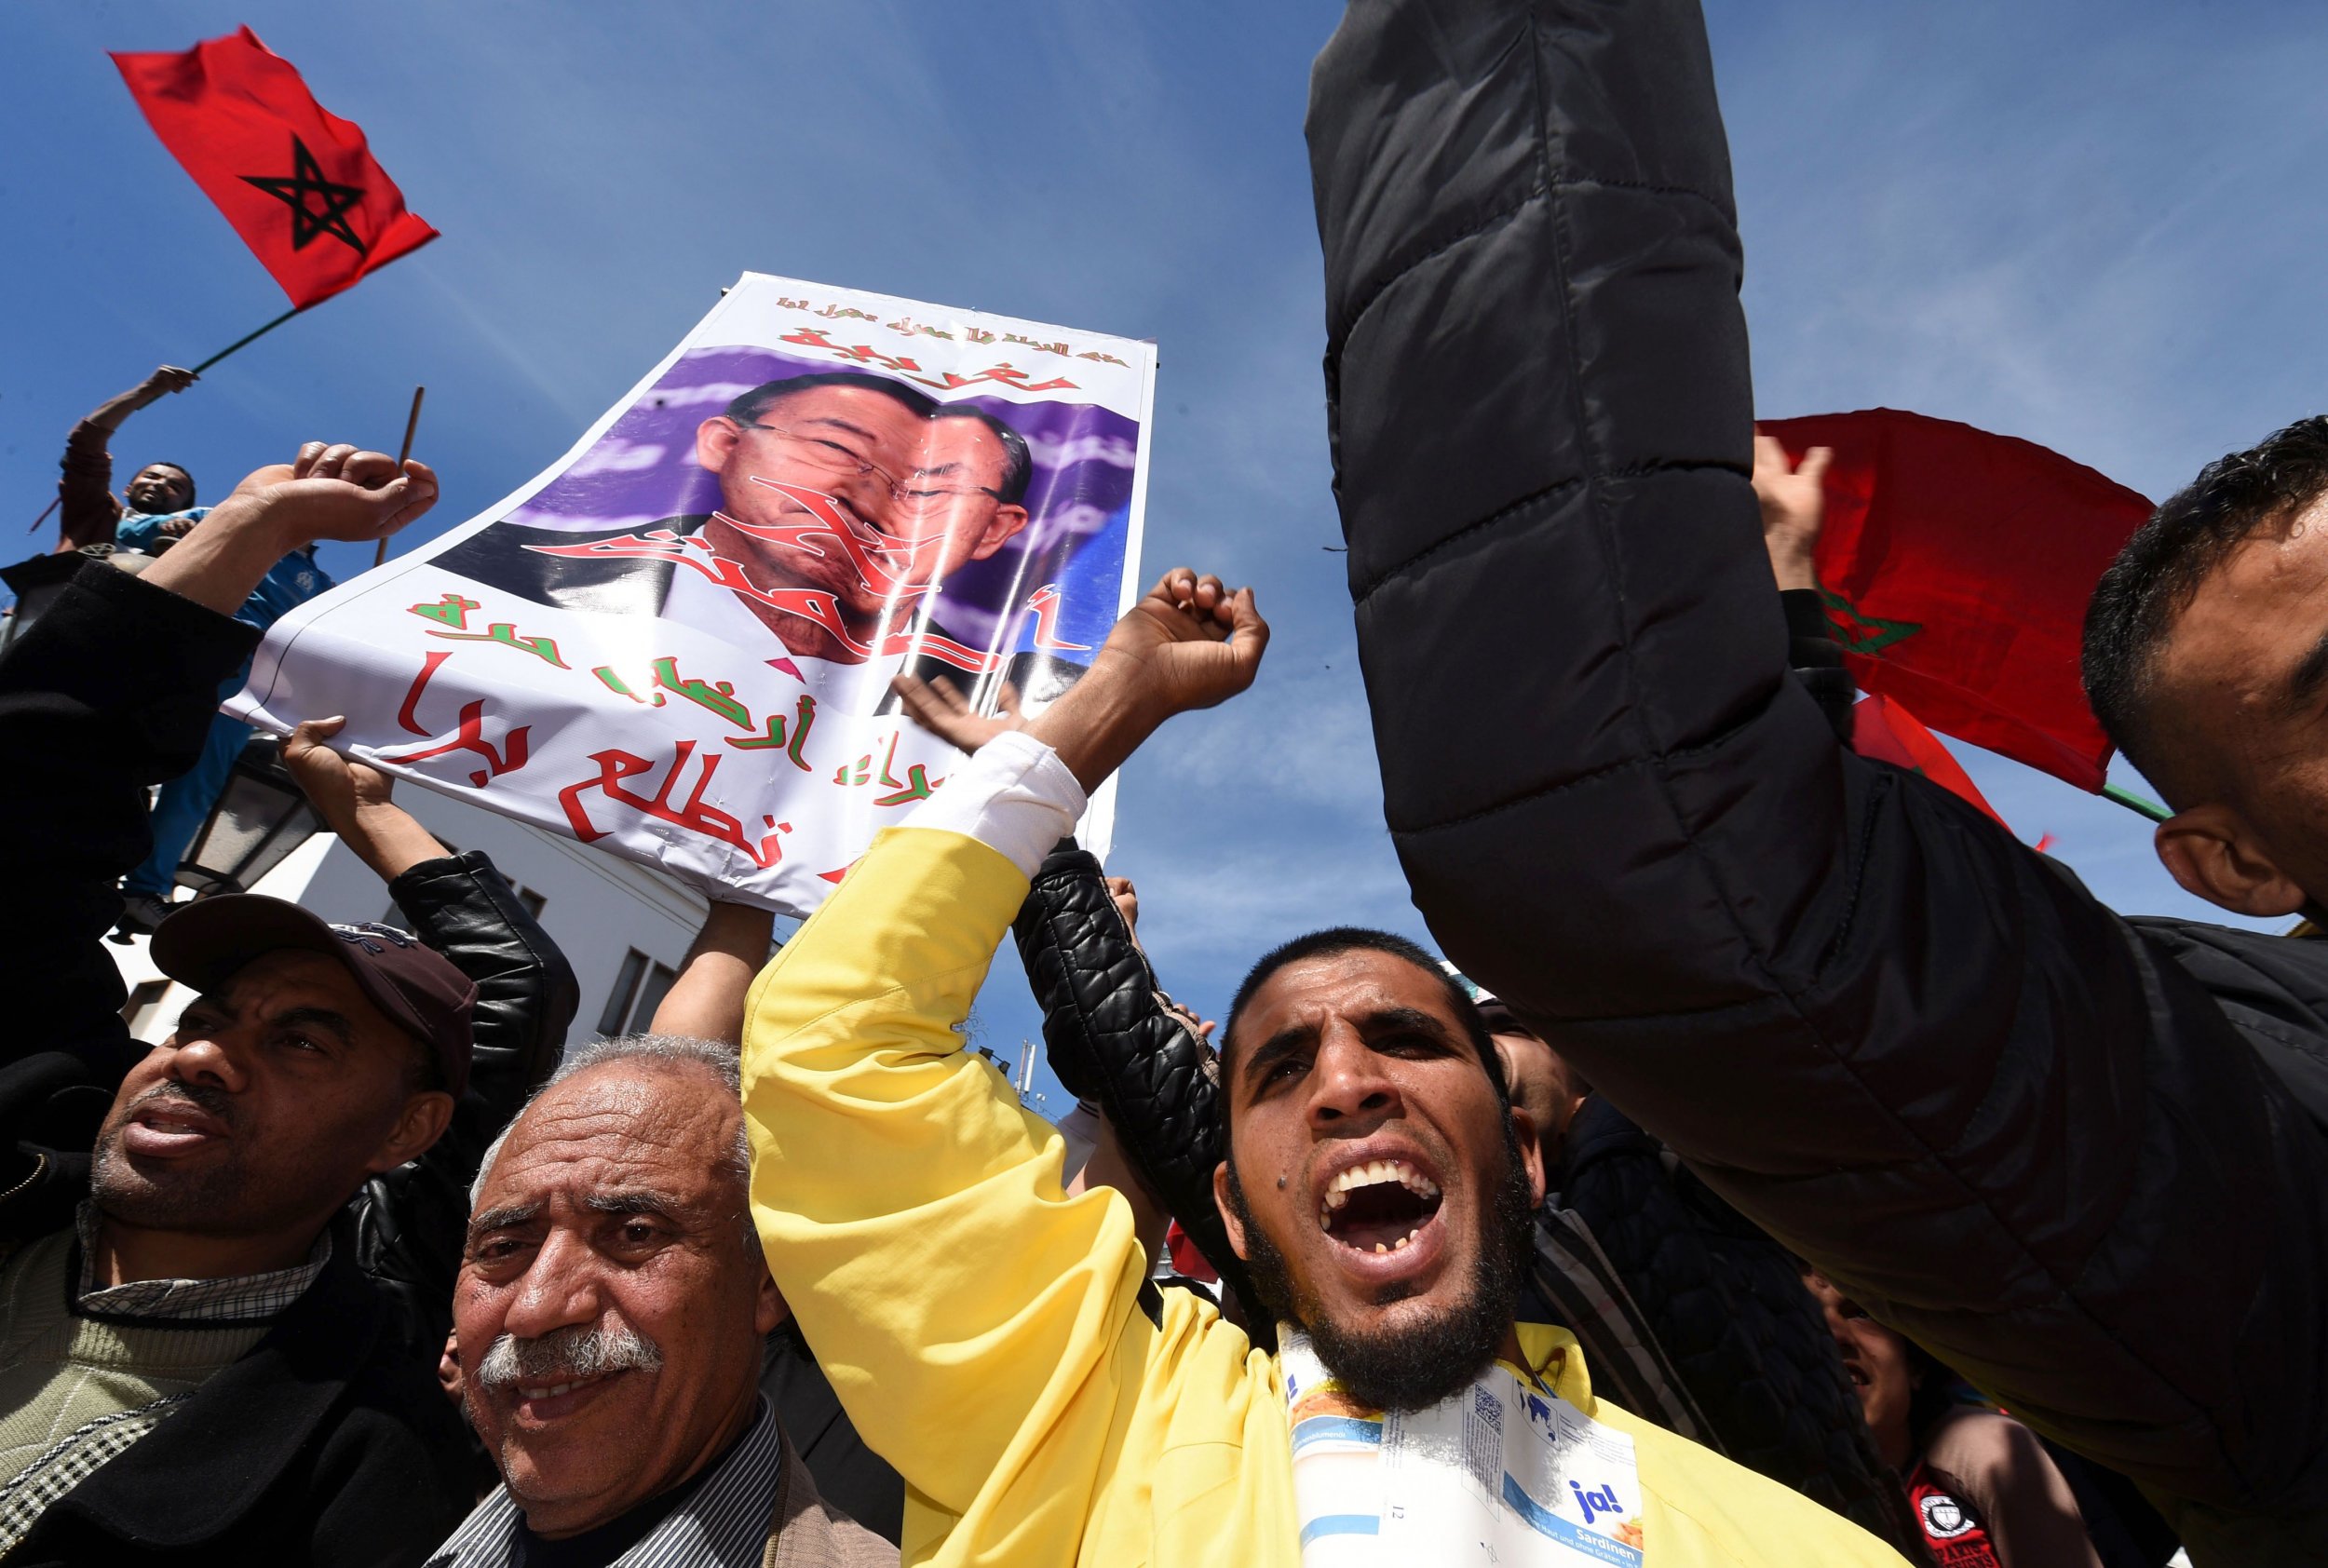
(306, 180)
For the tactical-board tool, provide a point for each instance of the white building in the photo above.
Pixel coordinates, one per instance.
(622, 925)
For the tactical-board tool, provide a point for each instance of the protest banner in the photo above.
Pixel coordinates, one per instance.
(677, 642)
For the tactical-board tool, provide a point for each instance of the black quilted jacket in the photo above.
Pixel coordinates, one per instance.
(2036, 1138)
(1728, 1313)
(1113, 1044)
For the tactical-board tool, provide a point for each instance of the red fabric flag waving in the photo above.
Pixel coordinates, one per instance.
(1956, 567)
(1884, 730)
(295, 180)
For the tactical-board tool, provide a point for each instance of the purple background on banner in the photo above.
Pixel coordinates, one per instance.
(1079, 501)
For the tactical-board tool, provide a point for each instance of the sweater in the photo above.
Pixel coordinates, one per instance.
(74, 1391)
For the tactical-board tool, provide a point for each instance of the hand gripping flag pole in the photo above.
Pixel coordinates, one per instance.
(298, 184)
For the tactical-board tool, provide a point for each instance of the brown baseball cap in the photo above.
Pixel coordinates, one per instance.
(417, 988)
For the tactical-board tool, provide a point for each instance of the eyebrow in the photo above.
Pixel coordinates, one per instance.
(838, 424)
(1382, 1021)
(502, 1218)
(321, 1017)
(634, 1200)
(2305, 681)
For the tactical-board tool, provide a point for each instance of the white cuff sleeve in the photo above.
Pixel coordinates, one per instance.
(1014, 796)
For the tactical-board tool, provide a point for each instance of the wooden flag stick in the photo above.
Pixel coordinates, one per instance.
(44, 516)
(411, 423)
(250, 338)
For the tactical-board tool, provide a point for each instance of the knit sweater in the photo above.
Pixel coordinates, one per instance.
(76, 1390)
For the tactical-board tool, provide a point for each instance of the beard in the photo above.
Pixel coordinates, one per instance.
(1416, 1365)
(188, 1200)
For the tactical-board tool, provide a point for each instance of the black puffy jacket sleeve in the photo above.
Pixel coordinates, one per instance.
(1113, 1044)
(411, 1223)
(2008, 1124)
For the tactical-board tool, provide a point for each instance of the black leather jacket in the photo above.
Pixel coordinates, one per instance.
(1113, 1044)
(410, 1222)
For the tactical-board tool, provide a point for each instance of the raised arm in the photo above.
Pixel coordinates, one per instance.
(707, 1000)
(1883, 1029)
(1113, 1042)
(962, 1306)
(111, 691)
(85, 495)
(411, 1220)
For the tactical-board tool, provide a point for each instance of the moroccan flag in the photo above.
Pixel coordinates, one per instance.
(1956, 567)
(296, 180)
(1889, 732)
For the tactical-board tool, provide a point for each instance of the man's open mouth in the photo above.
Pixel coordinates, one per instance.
(170, 1126)
(1380, 1206)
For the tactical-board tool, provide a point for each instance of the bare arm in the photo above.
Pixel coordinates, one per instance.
(166, 379)
(707, 1000)
(353, 798)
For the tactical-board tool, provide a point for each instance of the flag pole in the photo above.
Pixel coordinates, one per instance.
(2139, 804)
(44, 516)
(252, 338)
(411, 423)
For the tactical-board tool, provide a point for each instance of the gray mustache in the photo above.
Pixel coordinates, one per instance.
(567, 1356)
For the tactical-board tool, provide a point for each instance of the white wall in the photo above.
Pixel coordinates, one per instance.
(596, 907)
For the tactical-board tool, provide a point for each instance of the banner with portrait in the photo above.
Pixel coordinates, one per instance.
(677, 642)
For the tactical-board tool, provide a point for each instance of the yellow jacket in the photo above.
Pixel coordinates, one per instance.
(989, 1335)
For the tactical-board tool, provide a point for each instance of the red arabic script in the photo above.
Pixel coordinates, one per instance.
(614, 766)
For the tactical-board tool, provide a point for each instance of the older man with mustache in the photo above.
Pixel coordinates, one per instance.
(610, 1314)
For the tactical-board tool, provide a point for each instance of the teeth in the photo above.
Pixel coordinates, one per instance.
(1376, 1171)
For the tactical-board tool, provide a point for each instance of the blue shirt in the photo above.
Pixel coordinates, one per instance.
(290, 583)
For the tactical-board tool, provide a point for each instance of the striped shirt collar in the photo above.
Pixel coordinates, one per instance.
(244, 1298)
(724, 1525)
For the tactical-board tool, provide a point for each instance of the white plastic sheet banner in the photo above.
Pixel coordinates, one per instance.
(677, 642)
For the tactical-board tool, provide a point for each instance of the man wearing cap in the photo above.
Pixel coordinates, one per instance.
(207, 1352)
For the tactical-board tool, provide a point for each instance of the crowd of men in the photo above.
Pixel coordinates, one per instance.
(1779, 1165)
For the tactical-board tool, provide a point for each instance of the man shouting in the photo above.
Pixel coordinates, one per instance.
(1000, 1341)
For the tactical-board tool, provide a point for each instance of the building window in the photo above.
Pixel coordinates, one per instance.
(640, 986)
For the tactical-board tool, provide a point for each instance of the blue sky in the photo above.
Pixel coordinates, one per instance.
(2090, 224)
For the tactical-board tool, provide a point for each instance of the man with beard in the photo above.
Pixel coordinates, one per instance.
(1000, 1341)
(845, 501)
(208, 1354)
(610, 1314)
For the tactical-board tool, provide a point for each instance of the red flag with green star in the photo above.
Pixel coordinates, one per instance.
(1956, 567)
(298, 183)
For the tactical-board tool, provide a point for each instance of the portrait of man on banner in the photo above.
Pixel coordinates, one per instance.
(846, 522)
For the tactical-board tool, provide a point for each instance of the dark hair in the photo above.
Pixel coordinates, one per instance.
(1018, 464)
(1331, 943)
(183, 472)
(2147, 589)
(748, 408)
